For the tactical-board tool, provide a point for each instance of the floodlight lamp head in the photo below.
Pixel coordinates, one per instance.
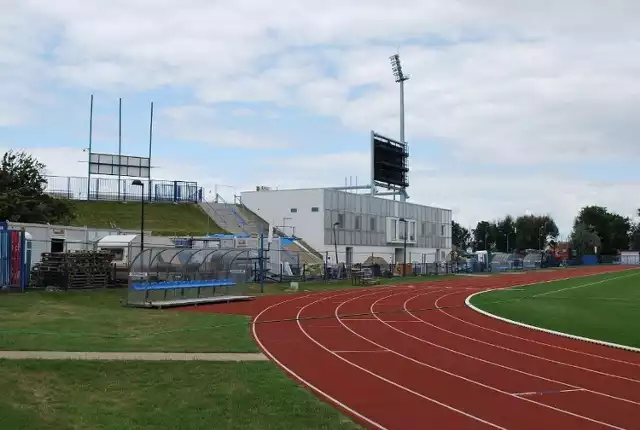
(396, 67)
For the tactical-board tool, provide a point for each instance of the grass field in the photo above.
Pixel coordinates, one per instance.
(146, 395)
(52, 395)
(603, 307)
(96, 321)
(161, 218)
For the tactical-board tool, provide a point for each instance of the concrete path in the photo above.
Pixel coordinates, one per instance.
(142, 356)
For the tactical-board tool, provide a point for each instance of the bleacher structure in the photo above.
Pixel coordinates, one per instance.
(503, 261)
(532, 259)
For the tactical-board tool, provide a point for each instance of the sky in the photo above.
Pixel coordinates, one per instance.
(513, 107)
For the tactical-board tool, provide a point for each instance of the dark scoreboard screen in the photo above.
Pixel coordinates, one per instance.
(390, 161)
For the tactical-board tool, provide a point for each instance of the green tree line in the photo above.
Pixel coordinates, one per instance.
(22, 192)
(595, 229)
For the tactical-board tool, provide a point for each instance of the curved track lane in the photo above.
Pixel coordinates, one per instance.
(414, 356)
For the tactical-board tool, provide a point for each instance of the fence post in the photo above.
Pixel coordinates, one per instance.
(326, 265)
(23, 266)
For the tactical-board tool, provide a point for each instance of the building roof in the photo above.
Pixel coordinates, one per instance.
(117, 239)
(340, 191)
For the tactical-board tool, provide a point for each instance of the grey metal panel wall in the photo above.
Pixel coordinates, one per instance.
(351, 205)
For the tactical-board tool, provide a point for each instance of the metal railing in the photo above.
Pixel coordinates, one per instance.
(113, 189)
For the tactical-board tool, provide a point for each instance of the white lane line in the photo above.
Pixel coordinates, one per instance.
(542, 393)
(541, 358)
(575, 351)
(355, 352)
(300, 378)
(602, 281)
(467, 379)
(382, 378)
(548, 331)
(519, 352)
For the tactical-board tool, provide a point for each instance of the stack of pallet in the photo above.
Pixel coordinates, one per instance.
(72, 270)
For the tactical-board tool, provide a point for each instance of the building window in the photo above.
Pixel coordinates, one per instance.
(424, 229)
(394, 229)
(341, 220)
(294, 210)
(357, 222)
(372, 224)
(412, 230)
(443, 229)
(314, 209)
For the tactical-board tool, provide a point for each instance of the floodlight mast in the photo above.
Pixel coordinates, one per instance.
(400, 77)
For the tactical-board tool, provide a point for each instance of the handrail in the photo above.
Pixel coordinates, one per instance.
(216, 212)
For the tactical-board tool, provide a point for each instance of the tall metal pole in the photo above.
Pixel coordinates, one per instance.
(142, 219)
(373, 164)
(402, 112)
(119, 143)
(400, 78)
(335, 242)
(406, 231)
(150, 141)
(90, 146)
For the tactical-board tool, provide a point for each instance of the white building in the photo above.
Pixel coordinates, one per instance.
(363, 225)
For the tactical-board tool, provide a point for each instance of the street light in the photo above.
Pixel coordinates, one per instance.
(139, 183)
(406, 230)
(335, 239)
(541, 230)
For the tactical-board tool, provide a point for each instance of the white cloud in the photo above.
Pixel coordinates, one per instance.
(498, 81)
(199, 124)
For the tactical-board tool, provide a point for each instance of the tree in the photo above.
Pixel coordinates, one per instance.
(505, 234)
(613, 229)
(460, 236)
(533, 231)
(584, 240)
(484, 236)
(22, 192)
(634, 236)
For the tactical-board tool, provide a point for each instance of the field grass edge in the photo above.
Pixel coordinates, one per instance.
(475, 308)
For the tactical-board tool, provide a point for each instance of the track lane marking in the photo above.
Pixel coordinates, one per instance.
(402, 387)
(421, 363)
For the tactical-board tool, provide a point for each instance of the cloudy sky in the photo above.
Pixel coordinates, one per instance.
(513, 106)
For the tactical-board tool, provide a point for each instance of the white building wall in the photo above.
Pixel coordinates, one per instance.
(302, 210)
(313, 212)
(391, 254)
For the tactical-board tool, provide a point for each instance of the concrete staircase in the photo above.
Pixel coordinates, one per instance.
(302, 255)
(239, 219)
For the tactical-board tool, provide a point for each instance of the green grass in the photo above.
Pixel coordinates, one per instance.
(603, 307)
(161, 218)
(96, 321)
(52, 395)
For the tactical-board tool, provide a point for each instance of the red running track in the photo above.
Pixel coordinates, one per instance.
(415, 357)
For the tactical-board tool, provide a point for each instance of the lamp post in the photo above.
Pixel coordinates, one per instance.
(542, 230)
(139, 183)
(335, 239)
(404, 254)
